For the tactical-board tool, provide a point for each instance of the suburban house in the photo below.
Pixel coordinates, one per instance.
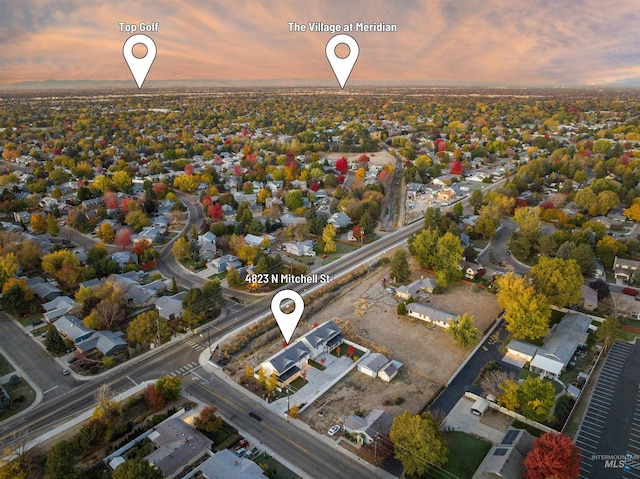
(560, 346)
(506, 460)
(302, 248)
(589, 298)
(446, 195)
(472, 270)
(288, 363)
(60, 306)
(623, 269)
(225, 464)
(170, 307)
(73, 328)
(106, 342)
(207, 242)
(43, 289)
(224, 263)
(339, 220)
(377, 365)
(414, 289)
(429, 314)
(176, 445)
(366, 429)
(123, 258)
(256, 241)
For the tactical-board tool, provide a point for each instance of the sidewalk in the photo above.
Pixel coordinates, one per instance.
(204, 361)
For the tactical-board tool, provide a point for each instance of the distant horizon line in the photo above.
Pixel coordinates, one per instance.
(52, 84)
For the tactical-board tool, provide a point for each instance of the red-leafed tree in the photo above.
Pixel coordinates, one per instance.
(237, 170)
(154, 398)
(314, 186)
(553, 455)
(122, 238)
(357, 232)
(188, 169)
(363, 159)
(351, 350)
(340, 179)
(456, 168)
(160, 189)
(141, 246)
(341, 165)
(129, 204)
(206, 201)
(215, 212)
(383, 175)
(110, 200)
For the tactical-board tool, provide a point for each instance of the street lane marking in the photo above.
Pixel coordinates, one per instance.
(198, 376)
(134, 383)
(49, 390)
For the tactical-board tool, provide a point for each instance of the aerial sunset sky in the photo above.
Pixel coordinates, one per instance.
(577, 42)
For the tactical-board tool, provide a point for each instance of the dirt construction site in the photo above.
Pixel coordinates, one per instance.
(429, 355)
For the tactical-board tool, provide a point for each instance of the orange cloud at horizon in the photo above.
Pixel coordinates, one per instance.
(470, 41)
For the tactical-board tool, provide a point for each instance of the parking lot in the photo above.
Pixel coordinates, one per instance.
(609, 436)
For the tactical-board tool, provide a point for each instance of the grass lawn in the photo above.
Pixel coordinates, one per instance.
(23, 389)
(5, 366)
(277, 470)
(28, 321)
(479, 244)
(581, 365)
(298, 383)
(343, 349)
(466, 452)
(316, 365)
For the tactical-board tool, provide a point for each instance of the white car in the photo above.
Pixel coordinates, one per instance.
(333, 430)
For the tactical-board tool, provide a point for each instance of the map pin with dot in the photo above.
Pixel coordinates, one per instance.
(287, 322)
(342, 66)
(139, 66)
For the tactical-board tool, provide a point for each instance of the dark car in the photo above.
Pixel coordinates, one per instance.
(255, 416)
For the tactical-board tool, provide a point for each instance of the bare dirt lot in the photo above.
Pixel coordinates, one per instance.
(428, 353)
(626, 304)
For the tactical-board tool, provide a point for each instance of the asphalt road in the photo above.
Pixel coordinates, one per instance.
(34, 360)
(489, 351)
(315, 457)
(501, 260)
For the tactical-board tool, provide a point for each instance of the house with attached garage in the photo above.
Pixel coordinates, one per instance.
(366, 429)
(417, 287)
(623, 269)
(288, 363)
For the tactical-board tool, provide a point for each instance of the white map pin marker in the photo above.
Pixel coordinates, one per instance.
(139, 66)
(342, 66)
(287, 322)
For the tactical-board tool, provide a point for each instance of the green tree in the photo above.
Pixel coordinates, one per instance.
(423, 246)
(61, 461)
(366, 223)
(181, 249)
(401, 310)
(476, 200)
(608, 248)
(169, 387)
(328, 235)
(464, 331)
(16, 295)
(52, 225)
(54, 342)
(399, 267)
(609, 332)
(448, 258)
(137, 219)
(526, 311)
(294, 200)
(418, 442)
(529, 223)
(137, 469)
(145, 328)
(233, 278)
(458, 210)
(536, 398)
(559, 280)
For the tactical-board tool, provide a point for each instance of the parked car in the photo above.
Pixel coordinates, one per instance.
(630, 292)
(72, 360)
(333, 430)
(65, 372)
(255, 416)
(383, 280)
(240, 452)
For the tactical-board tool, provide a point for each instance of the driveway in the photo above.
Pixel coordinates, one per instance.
(489, 351)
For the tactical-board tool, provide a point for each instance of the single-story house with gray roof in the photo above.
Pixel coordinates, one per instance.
(429, 314)
(73, 328)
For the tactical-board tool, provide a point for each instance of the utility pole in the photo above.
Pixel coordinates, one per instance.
(158, 329)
